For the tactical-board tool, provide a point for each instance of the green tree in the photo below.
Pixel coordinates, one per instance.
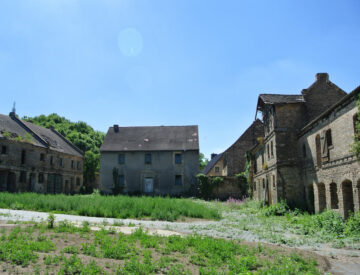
(202, 162)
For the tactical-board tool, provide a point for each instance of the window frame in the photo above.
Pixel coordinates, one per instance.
(4, 150)
(176, 158)
(217, 169)
(148, 158)
(121, 158)
(42, 157)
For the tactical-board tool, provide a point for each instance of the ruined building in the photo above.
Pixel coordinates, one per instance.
(156, 160)
(37, 159)
(304, 156)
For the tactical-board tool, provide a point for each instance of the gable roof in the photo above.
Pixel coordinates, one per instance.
(151, 138)
(54, 139)
(212, 163)
(42, 137)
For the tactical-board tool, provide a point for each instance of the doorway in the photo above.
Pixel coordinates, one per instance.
(149, 185)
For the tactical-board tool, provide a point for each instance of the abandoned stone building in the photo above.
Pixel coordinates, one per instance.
(36, 159)
(232, 161)
(160, 160)
(304, 156)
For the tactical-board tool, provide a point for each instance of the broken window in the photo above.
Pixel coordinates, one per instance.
(121, 158)
(274, 183)
(304, 150)
(3, 150)
(23, 156)
(268, 151)
(147, 158)
(51, 160)
(329, 138)
(178, 180)
(72, 164)
(23, 176)
(61, 162)
(78, 165)
(41, 178)
(42, 157)
(318, 150)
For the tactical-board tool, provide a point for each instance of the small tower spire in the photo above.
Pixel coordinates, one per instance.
(14, 109)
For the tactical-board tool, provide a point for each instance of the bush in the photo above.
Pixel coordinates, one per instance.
(353, 225)
(277, 209)
(330, 222)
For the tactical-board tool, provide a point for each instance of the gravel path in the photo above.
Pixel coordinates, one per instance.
(343, 261)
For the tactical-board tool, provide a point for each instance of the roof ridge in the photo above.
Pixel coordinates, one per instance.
(26, 128)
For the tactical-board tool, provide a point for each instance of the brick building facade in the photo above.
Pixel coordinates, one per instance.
(286, 163)
(36, 159)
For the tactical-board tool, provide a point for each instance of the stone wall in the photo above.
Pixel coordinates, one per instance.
(162, 170)
(25, 167)
(335, 178)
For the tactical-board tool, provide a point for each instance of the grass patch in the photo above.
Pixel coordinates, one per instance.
(279, 224)
(104, 252)
(122, 207)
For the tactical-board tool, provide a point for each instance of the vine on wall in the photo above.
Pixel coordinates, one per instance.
(356, 145)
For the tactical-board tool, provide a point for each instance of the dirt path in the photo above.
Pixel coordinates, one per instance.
(342, 261)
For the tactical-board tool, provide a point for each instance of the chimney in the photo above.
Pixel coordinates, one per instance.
(213, 155)
(323, 77)
(116, 128)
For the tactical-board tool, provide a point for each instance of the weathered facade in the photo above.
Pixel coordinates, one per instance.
(285, 161)
(232, 161)
(160, 160)
(36, 159)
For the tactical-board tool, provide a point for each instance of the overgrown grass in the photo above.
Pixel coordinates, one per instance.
(156, 208)
(279, 224)
(140, 253)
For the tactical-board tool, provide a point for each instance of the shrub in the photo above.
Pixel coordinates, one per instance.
(277, 209)
(51, 220)
(353, 225)
(330, 222)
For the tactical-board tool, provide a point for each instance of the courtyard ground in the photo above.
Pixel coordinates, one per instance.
(247, 223)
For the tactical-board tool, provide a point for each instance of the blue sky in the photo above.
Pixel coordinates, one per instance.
(171, 62)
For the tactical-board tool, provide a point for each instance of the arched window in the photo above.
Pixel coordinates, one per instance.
(318, 150)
